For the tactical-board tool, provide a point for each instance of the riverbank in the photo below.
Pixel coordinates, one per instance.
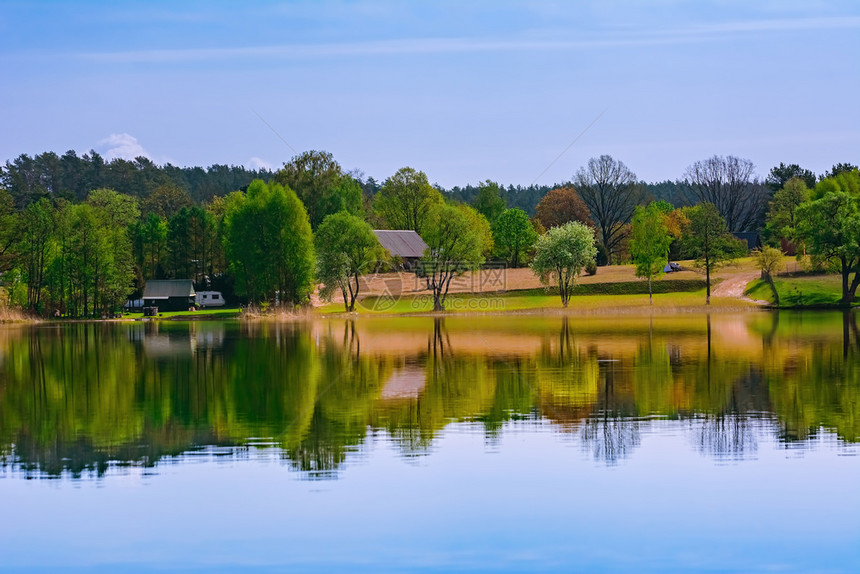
(613, 290)
(547, 302)
(9, 315)
(801, 291)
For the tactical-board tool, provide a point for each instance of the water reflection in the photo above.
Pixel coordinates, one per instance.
(79, 399)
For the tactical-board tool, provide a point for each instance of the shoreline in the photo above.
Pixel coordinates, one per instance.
(741, 306)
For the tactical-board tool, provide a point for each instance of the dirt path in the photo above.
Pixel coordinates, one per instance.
(735, 285)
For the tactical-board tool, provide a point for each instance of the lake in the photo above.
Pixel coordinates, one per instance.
(682, 443)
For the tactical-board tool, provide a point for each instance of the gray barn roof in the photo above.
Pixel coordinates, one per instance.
(401, 243)
(163, 289)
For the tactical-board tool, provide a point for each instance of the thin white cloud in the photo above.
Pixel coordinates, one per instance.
(124, 146)
(613, 38)
(258, 163)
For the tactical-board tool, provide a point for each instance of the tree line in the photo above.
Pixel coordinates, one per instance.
(272, 239)
(72, 177)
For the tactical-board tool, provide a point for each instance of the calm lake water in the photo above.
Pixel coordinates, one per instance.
(519, 443)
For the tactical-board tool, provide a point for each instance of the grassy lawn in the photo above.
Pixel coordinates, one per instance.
(800, 291)
(587, 298)
(219, 313)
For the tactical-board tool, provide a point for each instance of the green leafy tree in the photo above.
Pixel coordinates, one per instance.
(10, 231)
(489, 201)
(561, 254)
(92, 267)
(38, 224)
(405, 200)
(514, 235)
(189, 243)
(838, 169)
(845, 181)
(707, 239)
(829, 228)
(149, 238)
(457, 238)
(781, 217)
(482, 227)
(269, 244)
(217, 262)
(346, 248)
(166, 201)
(320, 184)
(649, 243)
(770, 261)
(782, 174)
(113, 258)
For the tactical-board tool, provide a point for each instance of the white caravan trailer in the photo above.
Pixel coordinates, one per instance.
(210, 299)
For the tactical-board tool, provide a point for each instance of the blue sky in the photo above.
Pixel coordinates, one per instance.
(463, 91)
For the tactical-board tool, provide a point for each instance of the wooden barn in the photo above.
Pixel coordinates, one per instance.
(169, 294)
(402, 244)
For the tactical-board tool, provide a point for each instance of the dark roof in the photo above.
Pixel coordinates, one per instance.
(401, 243)
(164, 289)
(752, 238)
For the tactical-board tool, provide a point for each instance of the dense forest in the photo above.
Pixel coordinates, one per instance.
(79, 235)
(72, 177)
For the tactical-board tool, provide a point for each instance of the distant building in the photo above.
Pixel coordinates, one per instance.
(752, 238)
(405, 245)
(169, 295)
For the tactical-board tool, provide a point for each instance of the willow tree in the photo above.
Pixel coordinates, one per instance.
(269, 244)
(770, 261)
(346, 249)
(457, 238)
(561, 254)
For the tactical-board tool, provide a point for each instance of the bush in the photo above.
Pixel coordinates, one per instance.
(591, 267)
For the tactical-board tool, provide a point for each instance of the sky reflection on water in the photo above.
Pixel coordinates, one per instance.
(538, 447)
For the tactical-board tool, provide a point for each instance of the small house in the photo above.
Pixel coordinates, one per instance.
(170, 294)
(751, 238)
(402, 244)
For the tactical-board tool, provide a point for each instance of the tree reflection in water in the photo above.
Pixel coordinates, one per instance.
(81, 399)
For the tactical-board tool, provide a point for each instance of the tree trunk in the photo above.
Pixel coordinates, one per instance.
(770, 282)
(353, 293)
(650, 293)
(345, 298)
(562, 289)
(707, 283)
(852, 290)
